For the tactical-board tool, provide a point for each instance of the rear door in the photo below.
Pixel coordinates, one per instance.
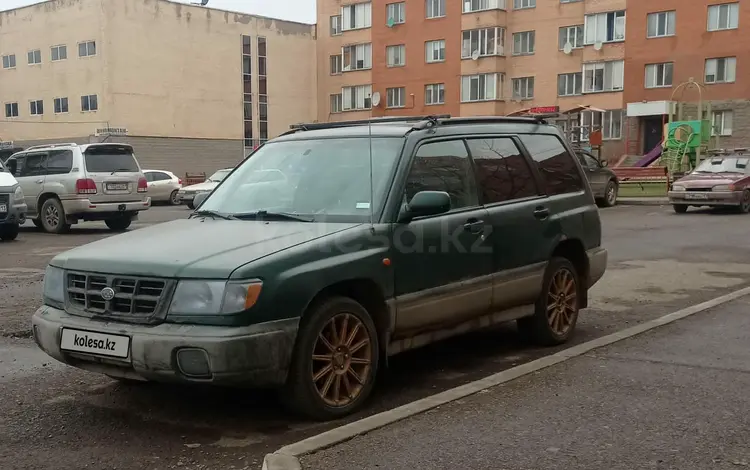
(31, 175)
(115, 171)
(161, 184)
(58, 179)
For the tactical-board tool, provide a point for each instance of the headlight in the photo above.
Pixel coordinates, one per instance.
(54, 285)
(722, 187)
(678, 188)
(18, 195)
(214, 297)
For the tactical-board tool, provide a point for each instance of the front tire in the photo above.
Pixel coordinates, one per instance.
(190, 205)
(680, 208)
(9, 232)
(53, 217)
(120, 224)
(335, 360)
(556, 310)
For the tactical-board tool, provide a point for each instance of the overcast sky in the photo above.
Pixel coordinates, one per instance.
(294, 10)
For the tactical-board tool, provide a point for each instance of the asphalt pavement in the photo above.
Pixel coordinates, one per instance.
(673, 398)
(659, 262)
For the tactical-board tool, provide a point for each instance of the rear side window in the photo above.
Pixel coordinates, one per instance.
(444, 166)
(557, 167)
(110, 159)
(503, 174)
(59, 162)
(159, 176)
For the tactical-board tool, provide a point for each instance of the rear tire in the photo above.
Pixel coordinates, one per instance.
(119, 224)
(610, 194)
(680, 208)
(52, 217)
(744, 206)
(335, 360)
(9, 232)
(556, 310)
(173, 199)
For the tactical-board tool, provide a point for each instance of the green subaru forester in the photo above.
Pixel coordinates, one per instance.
(331, 248)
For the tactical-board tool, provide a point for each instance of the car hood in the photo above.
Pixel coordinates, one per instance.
(205, 186)
(7, 180)
(192, 248)
(703, 180)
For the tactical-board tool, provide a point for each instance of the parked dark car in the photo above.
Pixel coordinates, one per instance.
(718, 181)
(377, 239)
(603, 181)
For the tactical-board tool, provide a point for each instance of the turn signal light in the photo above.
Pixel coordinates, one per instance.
(732, 187)
(142, 185)
(253, 292)
(85, 186)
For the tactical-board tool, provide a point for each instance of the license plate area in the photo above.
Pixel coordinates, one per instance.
(696, 196)
(98, 344)
(117, 186)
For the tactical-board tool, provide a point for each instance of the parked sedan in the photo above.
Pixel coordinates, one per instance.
(188, 193)
(163, 186)
(719, 181)
(602, 180)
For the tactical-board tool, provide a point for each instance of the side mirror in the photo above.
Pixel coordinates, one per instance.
(12, 166)
(604, 163)
(426, 203)
(199, 198)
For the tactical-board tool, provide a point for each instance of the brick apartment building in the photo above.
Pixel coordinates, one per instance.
(673, 41)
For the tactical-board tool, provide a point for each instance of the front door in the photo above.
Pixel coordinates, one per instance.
(598, 178)
(32, 168)
(653, 132)
(442, 264)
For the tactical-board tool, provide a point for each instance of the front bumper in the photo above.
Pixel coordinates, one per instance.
(76, 207)
(257, 355)
(705, 198)
(16, 214)
(186, 197)
(597, 264)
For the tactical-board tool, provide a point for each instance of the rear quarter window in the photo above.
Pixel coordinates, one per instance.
(109, 159)
(558, 169)
(59, 162)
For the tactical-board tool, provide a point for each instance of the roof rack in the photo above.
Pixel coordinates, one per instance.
(740, 150)
(68, 144)
(540, 119)
(379, 120)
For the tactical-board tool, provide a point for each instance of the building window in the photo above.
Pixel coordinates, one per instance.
(481, 87)
(61, 105)
(519, 4)
(721, 123)
(395, 97)
(486, 42)
(247, 88)
(569, 84)
(604, 27)
(609, 122)
(89, 103)
(35, 57)
(660, 24)
(724, 16)
(395, 56)
(523, 88)
(659, 75)
(570, 1)
(356, 97)
(262, 90)
(11, 110)
(336, 25)
(435, 51)
(59, 52)
(395, 13)
(356, 16)
(603, 76)
(87, 49)
(482, 5)
(9, 61)
(523, 43)
(336, 103)
(434, 94)
(357, 57)
(247, 105)
(721, 70)
(434, 8)
(336, 65)
(572, 35)
(36, 107)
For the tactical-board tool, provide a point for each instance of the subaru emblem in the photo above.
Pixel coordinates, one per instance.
(108, 293)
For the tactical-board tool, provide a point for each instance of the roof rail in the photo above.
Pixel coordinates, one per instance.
(740, 150)
(360, 122)
(68, 144)
(541, 119)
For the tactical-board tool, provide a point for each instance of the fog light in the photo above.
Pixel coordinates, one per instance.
(193, 362)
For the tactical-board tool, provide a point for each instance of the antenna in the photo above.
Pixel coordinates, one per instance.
(568, 48)
(598, 46)
(475, 55)
(375, 99)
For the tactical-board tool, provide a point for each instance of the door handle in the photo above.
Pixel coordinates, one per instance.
(39, 181)
(474, 225)
(541, 213)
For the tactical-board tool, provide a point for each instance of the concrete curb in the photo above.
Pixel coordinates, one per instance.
(286, 458)
(642, 202)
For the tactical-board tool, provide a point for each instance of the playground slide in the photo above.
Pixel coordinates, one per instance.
(650, 157)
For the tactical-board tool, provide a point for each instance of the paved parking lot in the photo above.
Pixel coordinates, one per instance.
(659, 262)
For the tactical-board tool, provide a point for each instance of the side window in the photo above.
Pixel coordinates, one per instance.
(34, 165)
(588, 161)
(18, 160)
(149, 176)
(503, 174)
(159, 176)
(59, 162)
(443, 166)
(557, 167)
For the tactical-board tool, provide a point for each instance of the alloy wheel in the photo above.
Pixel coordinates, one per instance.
(612, 195)
(562, 301)
(51, 216)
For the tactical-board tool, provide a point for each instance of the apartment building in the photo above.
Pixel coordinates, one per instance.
(475, 57)
(192, 88)
(671, 42)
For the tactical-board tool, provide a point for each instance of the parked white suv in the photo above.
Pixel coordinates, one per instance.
(67, 183)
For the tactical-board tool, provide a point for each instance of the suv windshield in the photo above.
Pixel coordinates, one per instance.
(723, 165)
(321, 178)
(109, 159)
(219, 176)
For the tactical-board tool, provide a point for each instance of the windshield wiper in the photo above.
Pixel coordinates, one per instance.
(266, 215)
(121, 169)
(214, 214)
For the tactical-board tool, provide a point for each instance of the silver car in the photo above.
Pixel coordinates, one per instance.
(163, 186)
(187, 194)
(67, 183)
